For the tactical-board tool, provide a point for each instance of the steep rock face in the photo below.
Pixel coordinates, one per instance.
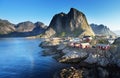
(72, 24)
(102, 30)
(6, 27)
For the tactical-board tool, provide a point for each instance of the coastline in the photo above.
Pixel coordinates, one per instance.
(85, 58)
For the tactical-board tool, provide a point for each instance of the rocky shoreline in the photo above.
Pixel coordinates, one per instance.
(89, 72)
(91, 58)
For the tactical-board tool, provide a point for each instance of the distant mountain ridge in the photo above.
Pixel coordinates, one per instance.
(102, 30)
(117, 32)
(72, 24)
(22, 29)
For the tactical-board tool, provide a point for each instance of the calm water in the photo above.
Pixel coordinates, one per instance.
(22, 58)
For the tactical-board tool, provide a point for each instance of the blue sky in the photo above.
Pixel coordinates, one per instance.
(105, 12)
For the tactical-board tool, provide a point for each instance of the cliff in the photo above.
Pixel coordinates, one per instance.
(72, 24)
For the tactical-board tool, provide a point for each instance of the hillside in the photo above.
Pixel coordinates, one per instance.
(23, 29)
(117, 32)
(72, 24)
(6, 27)
(102, 30)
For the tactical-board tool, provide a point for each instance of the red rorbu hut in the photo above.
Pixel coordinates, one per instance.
(71, 44)
(103, 46)
(79, 45)
(85, 45)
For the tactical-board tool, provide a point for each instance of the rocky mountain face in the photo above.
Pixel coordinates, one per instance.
(40, 25)
(22, 29)
(25, 26)
(29, 29)
(72, 24)
(6, 27)
(102, 30)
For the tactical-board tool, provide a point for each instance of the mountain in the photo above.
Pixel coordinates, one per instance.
(6, 27)
(72, 24)
(40, 25)
(102, 30)
(28, 28)
(117, 32)
(25, 26)
(22, 29)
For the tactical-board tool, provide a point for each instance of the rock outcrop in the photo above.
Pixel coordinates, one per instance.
(72, 56)
(71, 73)
(102, 30)
(72, 24)
(92, 56)
(82, 72)
(117, 41)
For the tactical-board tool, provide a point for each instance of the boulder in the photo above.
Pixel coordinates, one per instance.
(71, 73)
(72, 56)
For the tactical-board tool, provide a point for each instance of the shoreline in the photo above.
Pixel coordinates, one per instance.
(70, 55)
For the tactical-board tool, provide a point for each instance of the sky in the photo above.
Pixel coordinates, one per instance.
(106, 12)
